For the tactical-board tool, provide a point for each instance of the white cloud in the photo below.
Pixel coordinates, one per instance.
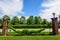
(11, 7)
(24, 16)
(51, 6)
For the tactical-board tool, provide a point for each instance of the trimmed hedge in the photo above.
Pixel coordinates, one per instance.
(31, 26)
(27, 32)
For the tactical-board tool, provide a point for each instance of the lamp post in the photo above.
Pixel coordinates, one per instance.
(54, 25)
(4, 28)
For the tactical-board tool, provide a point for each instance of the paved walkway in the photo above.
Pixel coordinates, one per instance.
(46, 30)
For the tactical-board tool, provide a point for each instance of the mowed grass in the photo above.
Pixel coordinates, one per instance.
(37, 37)
(30, 37)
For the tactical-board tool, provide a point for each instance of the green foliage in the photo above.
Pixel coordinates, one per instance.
(15, 20)
(10, 27)
(1, 21)
(22, 20)
(30, 38)
(44, 21)
(38, 20)
(49, 25)
(59, 25)
(30, 20)
(31, 26)
(32, 32)
(25, 32)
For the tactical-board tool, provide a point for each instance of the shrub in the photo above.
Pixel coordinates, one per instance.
(27, 32)
(30, 26)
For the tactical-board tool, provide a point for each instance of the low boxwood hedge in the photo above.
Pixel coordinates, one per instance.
(31, 26)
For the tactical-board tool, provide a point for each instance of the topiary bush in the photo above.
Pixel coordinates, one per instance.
(32, 32)
(29, 26)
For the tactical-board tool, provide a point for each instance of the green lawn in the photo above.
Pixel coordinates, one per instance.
(37, 37)
(30, 38)
(45, 36)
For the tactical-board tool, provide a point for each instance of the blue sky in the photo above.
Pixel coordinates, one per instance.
(43, 8)
(32, 7)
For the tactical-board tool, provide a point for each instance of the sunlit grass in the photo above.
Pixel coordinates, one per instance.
(30, 37)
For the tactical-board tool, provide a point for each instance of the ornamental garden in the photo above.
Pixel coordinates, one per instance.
(30, 28)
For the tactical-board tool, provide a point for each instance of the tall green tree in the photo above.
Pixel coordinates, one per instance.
(22, 20)
(15, 20)
(1, 21)
(49, 24)
(38, 20)
(30, 20)
(44, 21)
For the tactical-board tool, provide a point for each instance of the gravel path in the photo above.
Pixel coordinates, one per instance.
(46, 30)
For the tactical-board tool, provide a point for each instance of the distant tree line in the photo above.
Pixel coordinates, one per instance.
(22, 21)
